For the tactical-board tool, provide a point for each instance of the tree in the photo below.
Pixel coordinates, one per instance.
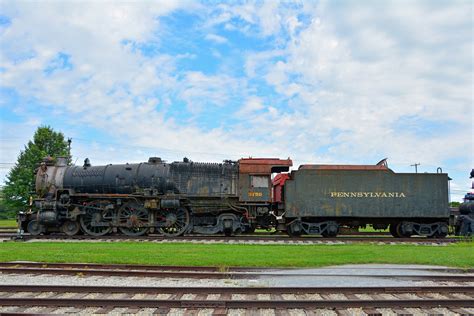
(20, 181)
(4, 212)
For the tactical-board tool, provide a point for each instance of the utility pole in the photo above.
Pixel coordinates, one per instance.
(416, 166)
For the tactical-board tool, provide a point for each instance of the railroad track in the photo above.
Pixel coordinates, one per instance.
(201, 268)
(6, 230)
(226, 300)
(454, 275)
(280, 239)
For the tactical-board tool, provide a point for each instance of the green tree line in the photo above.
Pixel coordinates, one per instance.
(20, 181)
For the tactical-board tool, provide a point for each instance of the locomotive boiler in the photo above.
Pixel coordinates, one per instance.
(171, 198)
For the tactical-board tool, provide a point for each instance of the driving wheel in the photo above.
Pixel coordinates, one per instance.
(97, 219)
(133, 219)
(176, 222)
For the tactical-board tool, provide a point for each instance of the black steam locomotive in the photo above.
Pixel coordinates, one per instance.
(172, 198)
(233, 197)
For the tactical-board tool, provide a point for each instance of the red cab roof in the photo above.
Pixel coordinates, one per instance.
(264, 165)
(343, 167)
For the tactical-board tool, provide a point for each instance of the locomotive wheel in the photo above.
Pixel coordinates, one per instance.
(400, 231)
(393, 230)
(96, 221)
(441, 233)
(132, 218)
(438, 235)
(331, 230)
(294, 230)
(329, 235)
(70, 228)
(35, 228)
(177, 222)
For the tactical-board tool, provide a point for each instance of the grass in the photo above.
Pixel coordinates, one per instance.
(7, 223)
(225, 255)
(370, 229)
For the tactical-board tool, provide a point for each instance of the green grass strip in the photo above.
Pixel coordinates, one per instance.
(225, 255)
(7, 223)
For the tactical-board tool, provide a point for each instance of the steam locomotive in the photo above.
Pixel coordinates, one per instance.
(232, 197)
(171, 198)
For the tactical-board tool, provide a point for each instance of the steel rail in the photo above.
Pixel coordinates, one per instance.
(273, 304)
(227, 275)
(236, 290)
(135, 267)
(21, 264)
(273, 238)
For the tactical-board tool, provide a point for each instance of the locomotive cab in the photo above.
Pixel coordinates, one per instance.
(255, 183)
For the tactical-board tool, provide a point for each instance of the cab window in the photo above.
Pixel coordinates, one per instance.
(259, 181)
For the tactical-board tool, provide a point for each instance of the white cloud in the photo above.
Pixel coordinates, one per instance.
(216, 38)
(252, 105)
(262, 19)
(199, 90)
(351, 85)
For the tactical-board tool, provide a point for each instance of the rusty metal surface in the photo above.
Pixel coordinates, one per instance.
(251, 169)
(344, 167)
(367, 194)
(205, 179)
(235, 290)
(227, 275)
(248, 239)
(213, 268)
(264, 165)
(187, 177)
(250, 193)
(245, 304)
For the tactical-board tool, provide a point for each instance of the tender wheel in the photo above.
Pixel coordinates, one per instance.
(442, 232)
(331, 230)
(294, 229)
(328, 235)
(401, 231)
(97, 219)
(438, 235)
(393, 230)
(70, 228)
(176, 222)
(133, 219)
(35, 228)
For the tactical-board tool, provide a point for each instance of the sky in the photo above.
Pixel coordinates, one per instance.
(343, 82)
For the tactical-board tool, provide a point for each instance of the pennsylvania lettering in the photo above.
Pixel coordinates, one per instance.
(367, 194)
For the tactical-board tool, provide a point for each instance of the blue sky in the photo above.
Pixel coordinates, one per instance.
(322, 82)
